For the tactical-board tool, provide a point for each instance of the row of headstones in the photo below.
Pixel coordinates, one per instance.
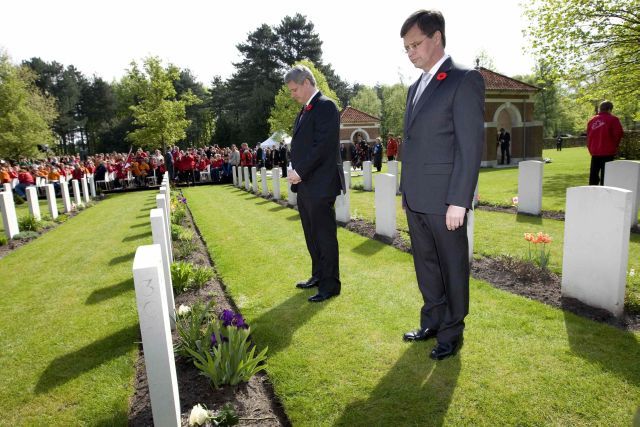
(8, 208)
(598, 220)
(156, 311)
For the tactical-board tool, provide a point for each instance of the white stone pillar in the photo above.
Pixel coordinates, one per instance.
(51, 200)
(156, 336)
(92, 185)
(292, 198)
(247, 179)
(254, 179)
(234, 172)
(530, 187)
(346, 166)
(160, 237)
(596, 246)
(9, 218)
(161, 203)
(385, 204)
(263, 178)
(32, 200)
(76, 192)
(343, 206)
(240, 177)
(64, 192)
(367, 176)
(625, 174)
(392, 169)
(275, 175)
(7, 187)
(85, 189)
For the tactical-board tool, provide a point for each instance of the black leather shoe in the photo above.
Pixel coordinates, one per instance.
(311, 283)
(446, 349)
(321, 297)
(420, 334)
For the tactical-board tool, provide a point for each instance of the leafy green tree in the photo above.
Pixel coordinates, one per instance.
(159, 116)
(297, 40)
(202, 125)
(98, 105)
(485, 60)
(394, 100)
(367, 100)
(284, 112)
(26, 115)
(591, 45)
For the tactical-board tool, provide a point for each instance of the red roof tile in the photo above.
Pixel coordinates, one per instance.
(496, 81)
(352, 115)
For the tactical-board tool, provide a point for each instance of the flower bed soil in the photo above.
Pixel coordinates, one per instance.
(254, 402)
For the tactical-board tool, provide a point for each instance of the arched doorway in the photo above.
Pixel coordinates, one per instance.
(507, 116)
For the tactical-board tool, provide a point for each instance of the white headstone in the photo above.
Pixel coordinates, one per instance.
(235, 175)
(367, 176)
(64, 192)
(32, 201)
(625, 174)
(596, 246)
(50, 191)
(92, 185)
(9, 218)
(275, 175)
(392, 169)
(247, 180)
(161, 203)
(343, 206)
(385, 205)
(160, 237)
(254, 179)
(76, 192)
(85, 189)
(530, 186)
(346, 166)
(263, 178)
(7, 187)
(240, 176)
(156, 336)
(292, 198)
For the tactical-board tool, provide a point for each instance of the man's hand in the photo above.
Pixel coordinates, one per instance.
(455, 217)
(293, 177)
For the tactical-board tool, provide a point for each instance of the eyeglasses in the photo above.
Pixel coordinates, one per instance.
(413, 46)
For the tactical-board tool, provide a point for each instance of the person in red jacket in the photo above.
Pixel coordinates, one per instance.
(392, 148)
(604, 133)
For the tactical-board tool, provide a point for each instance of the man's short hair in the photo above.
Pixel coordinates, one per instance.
(606, 106)
(299, 74)
(429, 21)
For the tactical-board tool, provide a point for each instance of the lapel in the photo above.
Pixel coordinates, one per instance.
(304, 115)
(428, 91)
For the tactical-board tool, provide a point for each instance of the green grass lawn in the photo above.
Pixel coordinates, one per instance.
(69, 321)
(23, 210)
(344, 363)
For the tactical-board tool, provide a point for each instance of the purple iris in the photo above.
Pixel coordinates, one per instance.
(227, 317)
(184, 200)
(214, 341)
(238, 321)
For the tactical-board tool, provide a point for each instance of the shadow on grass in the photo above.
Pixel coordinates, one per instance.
(136, 237)
(528, 219)
(112, 291)
(122, 258)
(65, 368)
(277, 208)
(615, 351)
(264, 202)
(142, 224)
(415, 390)
(293, 312)
(556, 185)
(369, 247)
(293, 217)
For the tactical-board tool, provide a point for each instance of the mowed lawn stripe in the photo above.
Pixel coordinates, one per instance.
(344, 363)
(69, 319)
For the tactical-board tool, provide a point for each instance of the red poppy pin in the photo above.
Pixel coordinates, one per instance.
(308, 107)
(441, 76)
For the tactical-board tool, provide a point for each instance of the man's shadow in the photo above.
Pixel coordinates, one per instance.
(415, 391)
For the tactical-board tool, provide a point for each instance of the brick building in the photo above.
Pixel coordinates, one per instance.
(354, 122)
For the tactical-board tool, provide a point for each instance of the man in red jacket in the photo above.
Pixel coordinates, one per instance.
(604, 133)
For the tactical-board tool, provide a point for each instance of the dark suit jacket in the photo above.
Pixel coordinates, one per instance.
(444, 140)
(315, 150)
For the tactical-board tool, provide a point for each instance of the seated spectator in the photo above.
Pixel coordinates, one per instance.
(25, 179)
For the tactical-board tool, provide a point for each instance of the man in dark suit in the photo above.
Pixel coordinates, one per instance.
(444, 138)
(504, 138)
(316, 176)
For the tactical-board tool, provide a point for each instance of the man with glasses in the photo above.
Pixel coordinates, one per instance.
(444, 137)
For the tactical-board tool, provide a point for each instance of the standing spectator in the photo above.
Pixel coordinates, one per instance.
(604, 133)
(377, 154)
(168, 161)
(559, 143)
(282, 156)
(504, 138)
(234, 157)
(392, 147)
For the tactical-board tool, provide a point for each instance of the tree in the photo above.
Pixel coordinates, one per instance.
(159, 115)
(202, 125)
(99, 108)
(394, 99)
(591, 45)
(483, 59)
(367, 100)
(284, 112)
(26, 116)
(297, 40)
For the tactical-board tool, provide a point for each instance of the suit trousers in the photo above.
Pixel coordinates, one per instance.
(318, 219)
(441, 259)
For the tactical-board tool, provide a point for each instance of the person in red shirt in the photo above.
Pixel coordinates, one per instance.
(25, 180)
(392, 148)
(78, 172)
(604, 133)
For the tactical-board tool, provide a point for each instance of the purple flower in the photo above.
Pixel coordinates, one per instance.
(184, 200)
(214, 341)
(227, 317)
(238, 321)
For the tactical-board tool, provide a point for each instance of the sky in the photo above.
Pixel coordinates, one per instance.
(361, 39)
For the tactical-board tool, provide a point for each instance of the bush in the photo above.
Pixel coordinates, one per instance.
(193, 329)
(228, 357)
(184, 249)
(201, 275)
(3, 240)
(185, 275)
(61, 218)
(178, 214)
(630, 145)
(29, 223)
(26, 235)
